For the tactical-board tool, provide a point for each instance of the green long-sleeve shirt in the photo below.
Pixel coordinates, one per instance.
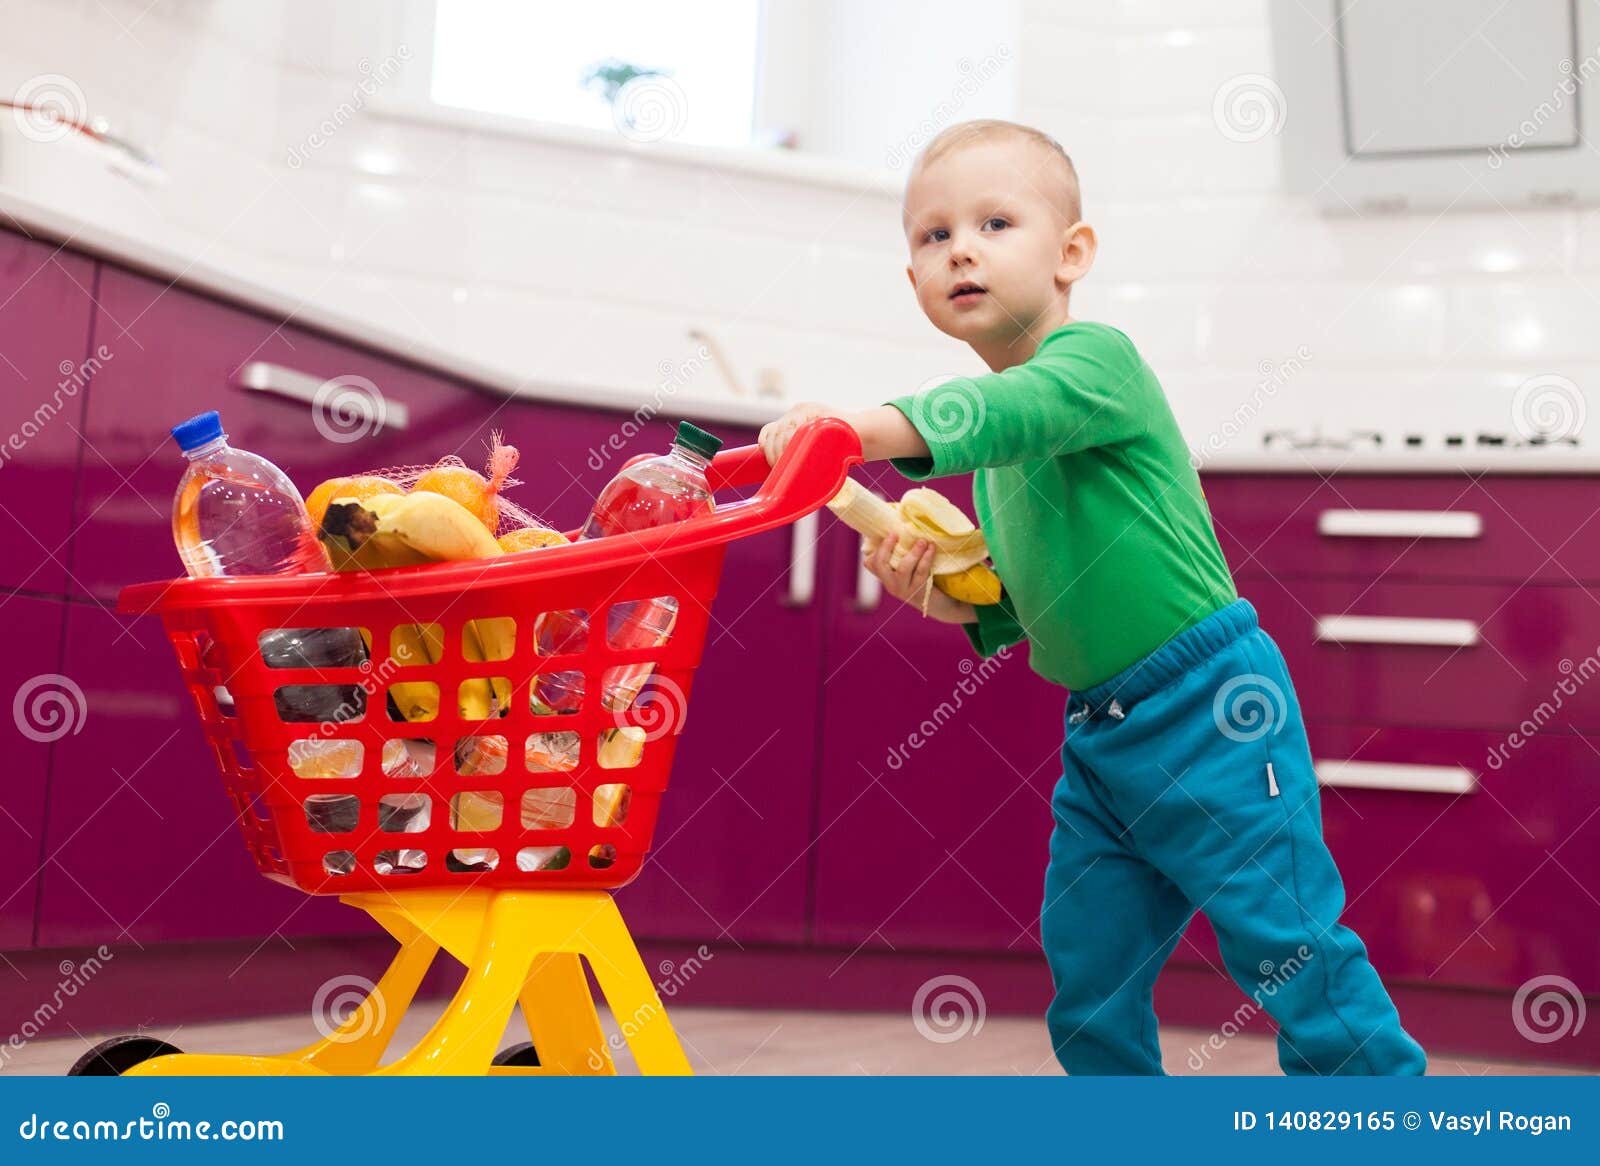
(1084, 488)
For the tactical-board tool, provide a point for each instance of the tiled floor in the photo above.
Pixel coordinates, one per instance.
(724, 1041)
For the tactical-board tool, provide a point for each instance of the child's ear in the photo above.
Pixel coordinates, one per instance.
(1078, 248)
(912, 276)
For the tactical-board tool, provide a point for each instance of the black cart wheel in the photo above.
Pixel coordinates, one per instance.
(114, 1057)
(523, 1056)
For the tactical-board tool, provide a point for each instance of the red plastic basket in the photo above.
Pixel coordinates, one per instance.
(215, 625)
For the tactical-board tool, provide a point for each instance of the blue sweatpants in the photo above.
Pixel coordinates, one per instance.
(1188, 786)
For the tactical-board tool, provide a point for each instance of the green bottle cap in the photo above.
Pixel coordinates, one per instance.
(697, 439)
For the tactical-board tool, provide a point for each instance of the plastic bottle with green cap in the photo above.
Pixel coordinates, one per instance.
(657, 491)
(669, 488)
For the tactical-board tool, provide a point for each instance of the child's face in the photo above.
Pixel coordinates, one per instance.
(987, 231)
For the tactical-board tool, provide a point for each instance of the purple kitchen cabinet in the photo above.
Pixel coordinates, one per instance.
(142, 839)
(148, 849)
(732, 847)
(1483, 889)
(144, 844)
(1501, 528)
(1502, 651)
(45, 707)
(176, 353)
(1488, 888)
(936, 774)
(735, 804)
(729, 858)
(45, 309)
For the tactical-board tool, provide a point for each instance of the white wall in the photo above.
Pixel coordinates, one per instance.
(1422, 320)
(877, 80)
(565, 262)
(591, 266)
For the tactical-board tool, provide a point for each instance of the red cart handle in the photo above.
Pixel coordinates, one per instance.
(812, 469)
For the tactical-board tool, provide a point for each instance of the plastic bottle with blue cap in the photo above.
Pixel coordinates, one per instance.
(235, 513)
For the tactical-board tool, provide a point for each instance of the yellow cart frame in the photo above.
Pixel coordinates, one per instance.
(518, 947)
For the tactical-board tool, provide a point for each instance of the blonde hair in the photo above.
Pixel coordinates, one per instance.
(972, 133)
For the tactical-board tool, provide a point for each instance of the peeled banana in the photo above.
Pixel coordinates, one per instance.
(960, 553)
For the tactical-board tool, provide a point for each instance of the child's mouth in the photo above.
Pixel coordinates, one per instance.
(967, 293)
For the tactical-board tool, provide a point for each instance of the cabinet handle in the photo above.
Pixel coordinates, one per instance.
(1427, 779)
(1400, 524)
(1387, 629)
(869, 588)
(802, 560)
(368, 407)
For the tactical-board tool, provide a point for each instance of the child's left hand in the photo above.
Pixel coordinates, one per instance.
(775, 435)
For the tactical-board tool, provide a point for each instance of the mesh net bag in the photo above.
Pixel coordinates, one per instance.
(482, 493)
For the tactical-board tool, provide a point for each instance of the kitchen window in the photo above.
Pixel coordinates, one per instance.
(636, 67)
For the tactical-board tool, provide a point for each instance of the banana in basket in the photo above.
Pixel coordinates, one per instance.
(960, 553)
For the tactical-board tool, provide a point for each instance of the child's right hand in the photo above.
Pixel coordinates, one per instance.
(909, 581)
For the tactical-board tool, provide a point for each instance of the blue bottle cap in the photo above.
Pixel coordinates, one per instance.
(199, 430)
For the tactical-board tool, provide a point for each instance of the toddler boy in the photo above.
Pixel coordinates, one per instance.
(1187, 780)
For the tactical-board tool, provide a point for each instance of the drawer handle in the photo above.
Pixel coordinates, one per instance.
(354, 405)
(1426, 779)
(802, 561)
(1400, 524)
(1388, 629)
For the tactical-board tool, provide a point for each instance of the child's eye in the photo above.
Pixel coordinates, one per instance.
(997, 224)
(937, 235)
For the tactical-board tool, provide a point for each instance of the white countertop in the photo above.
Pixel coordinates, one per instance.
(1550, 461)
(199, 266)
(191, 267)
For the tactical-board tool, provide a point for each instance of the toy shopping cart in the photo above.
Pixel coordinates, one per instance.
(506, 863)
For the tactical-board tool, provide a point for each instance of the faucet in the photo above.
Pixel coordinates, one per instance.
(769, 381)
(96, 129)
